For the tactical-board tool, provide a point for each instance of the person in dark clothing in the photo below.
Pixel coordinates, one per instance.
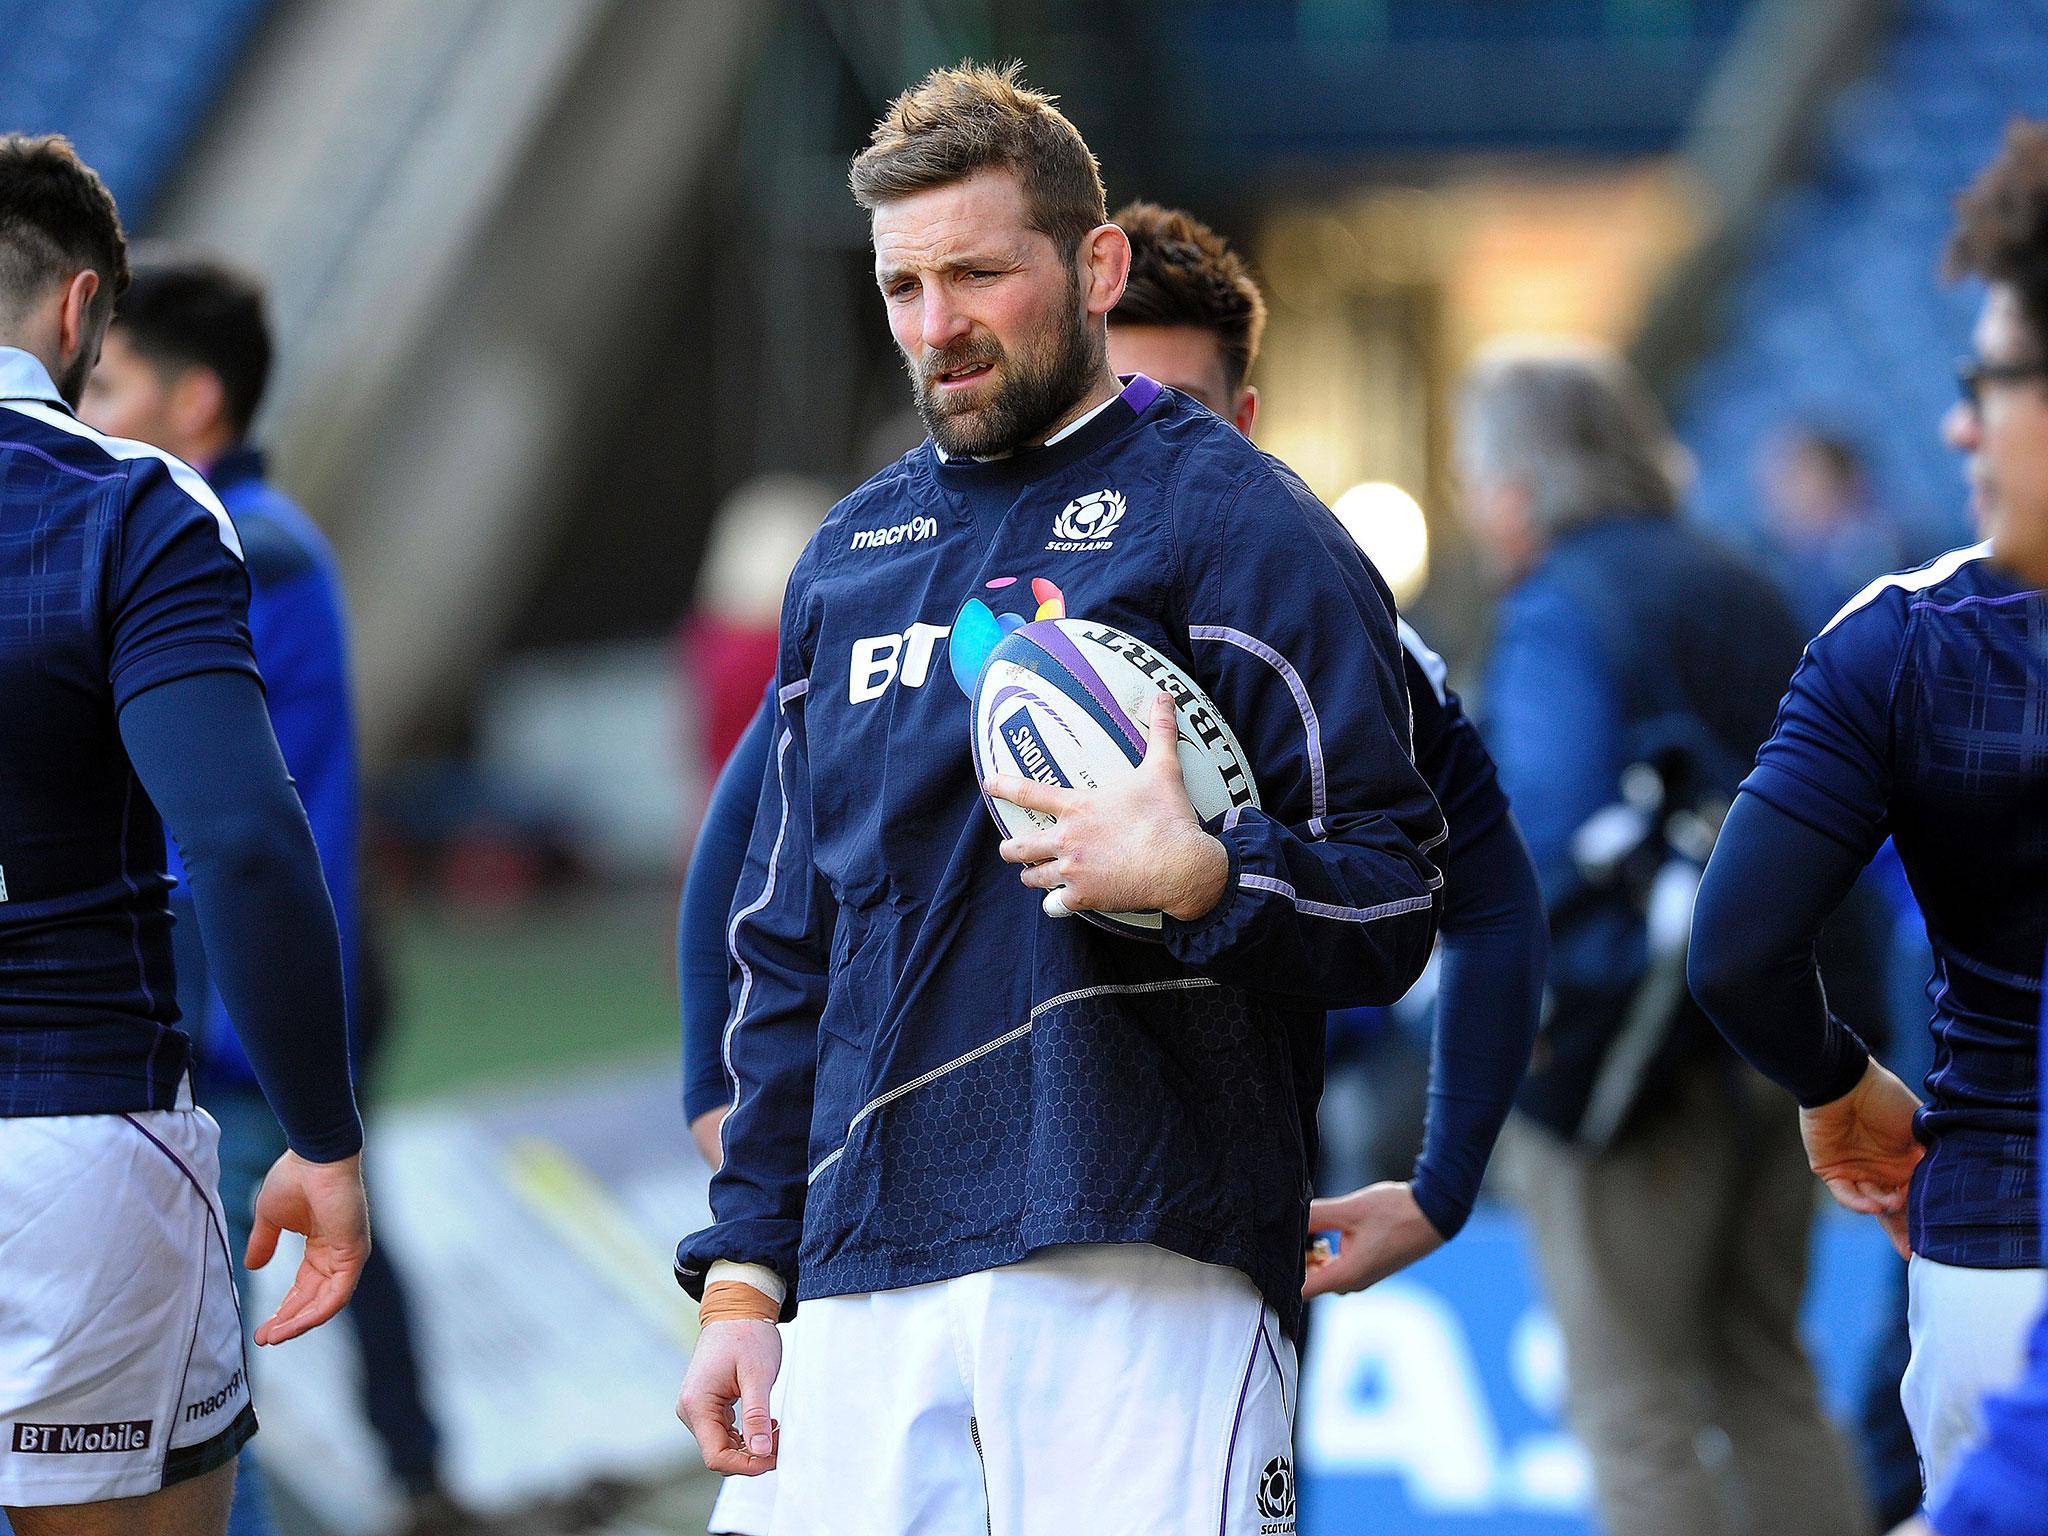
(1921, 713)
(130, 703)
(184, 369)
(1635, 669)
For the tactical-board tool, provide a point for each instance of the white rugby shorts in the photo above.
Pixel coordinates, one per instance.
(121, 1362)
(1969, 1329)
(1101, 1388)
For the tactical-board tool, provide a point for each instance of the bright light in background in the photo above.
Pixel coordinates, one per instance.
(1389, 526)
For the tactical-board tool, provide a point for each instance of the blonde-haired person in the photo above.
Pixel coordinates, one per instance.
(1042, 1189)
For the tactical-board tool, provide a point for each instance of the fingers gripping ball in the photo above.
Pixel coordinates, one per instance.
(1062, 701)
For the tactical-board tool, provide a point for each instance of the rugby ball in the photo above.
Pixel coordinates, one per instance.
(1066, 702)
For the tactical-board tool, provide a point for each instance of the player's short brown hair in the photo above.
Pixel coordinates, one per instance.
(56, 217)
(186, 309)
(2002, 224)
(1184, 273)
(977, 117)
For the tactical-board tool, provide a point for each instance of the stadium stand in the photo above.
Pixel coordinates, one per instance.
(1842, 318)
(128, 80)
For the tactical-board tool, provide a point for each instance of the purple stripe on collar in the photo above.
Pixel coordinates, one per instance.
(1139, 393)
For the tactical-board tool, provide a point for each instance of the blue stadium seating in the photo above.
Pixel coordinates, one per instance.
(128, 80)
(1842, 319)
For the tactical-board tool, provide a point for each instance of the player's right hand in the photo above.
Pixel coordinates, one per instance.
(1863, 1148)
(324, 1203)
(735, 1362)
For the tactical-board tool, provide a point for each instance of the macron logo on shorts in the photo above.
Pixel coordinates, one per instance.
(79, 1439)
(194, 1412)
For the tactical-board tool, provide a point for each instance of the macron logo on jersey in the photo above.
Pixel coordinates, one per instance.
(903, 533)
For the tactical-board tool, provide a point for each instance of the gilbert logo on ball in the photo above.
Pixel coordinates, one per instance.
(1059, 700)
(1086, 522)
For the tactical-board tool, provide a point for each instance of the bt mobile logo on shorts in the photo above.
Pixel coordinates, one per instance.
(1087, 522)
(79, 1439)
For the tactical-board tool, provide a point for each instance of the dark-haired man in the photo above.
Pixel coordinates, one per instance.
(128, 692)
(1191, 317)
(1922, 712)
(1042, 1188)
(184, 368)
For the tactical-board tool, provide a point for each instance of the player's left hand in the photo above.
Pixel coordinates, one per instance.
(1134, 845)
(1383, 1231)
(324, 1203)
(733, 1367)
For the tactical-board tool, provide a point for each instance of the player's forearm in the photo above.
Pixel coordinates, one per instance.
(203, 749)
(702, 964)
(1770, 886)
(1495, 941)
(1338, 922)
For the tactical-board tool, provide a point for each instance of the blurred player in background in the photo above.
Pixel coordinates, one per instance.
(1827, 538)
(1043, 1188)
(184, 369)
(1635, 668)
(1922, 712)
(128, 690)
(1191, 317)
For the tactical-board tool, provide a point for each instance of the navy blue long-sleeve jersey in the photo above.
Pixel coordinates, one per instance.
(1921, 712)
(933, 1076)
(1496, 939)
(122, 592)
(702, 965)
(1493, 930)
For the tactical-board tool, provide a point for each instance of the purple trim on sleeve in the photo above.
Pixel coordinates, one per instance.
(1319, 796)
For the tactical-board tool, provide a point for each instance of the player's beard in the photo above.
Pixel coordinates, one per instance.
(71, 378)
(1034, 393)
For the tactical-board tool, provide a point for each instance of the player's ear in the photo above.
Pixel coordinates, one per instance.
(1105, 265)
(75, 312)
(1247, 411)
(199, 401)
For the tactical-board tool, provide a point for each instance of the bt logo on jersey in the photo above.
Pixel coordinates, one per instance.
(879, 660)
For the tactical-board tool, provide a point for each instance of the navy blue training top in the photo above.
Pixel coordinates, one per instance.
(1494, 938)
(126, 681)
(119, 571)
(935, 1077)
(702, 965)
(1921, 713)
